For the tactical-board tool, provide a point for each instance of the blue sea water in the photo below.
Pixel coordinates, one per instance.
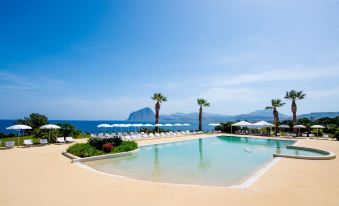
(90, 126)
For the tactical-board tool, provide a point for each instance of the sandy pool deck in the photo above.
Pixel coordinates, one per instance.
(42, 176)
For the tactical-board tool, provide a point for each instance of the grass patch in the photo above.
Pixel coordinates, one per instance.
(86, 150)
(21, 140)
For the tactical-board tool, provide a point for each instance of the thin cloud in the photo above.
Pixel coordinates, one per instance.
(296, 74)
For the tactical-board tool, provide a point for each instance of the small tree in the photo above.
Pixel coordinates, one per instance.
(35, 120)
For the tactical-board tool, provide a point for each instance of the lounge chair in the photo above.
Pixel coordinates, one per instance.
(43, 141)
(60, 140)
(9, 144)
(69, 139)
(157, 135)
(28, 142)
(151, 135)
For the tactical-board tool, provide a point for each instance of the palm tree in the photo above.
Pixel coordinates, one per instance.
(201, 103)
(275, 103)
(294, 95)
(159, 98)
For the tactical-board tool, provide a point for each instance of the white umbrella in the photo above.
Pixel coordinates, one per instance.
(186, 125)
(49, 127)
(241, 124)
(137, 125)
(124, 125)
(104, 126)
(299, 127)
(178, 125)
(19, 127)
(148, 125)
(159, 125)
(284, 126)
(214, 124)
(115, 125)
(263, 124)
(317, 127)
(168, 125)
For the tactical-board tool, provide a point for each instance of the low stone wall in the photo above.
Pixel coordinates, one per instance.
(86, 159)
(326, 155)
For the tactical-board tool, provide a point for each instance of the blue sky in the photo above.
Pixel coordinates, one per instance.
(103, 59)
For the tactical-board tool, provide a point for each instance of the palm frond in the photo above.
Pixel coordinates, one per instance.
(203, 102)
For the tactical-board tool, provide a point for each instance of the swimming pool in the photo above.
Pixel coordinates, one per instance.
(214, 161)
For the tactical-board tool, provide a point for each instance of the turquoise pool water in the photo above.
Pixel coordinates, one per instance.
(216, 161)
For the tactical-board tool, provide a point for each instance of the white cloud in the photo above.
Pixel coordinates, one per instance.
(294, 74)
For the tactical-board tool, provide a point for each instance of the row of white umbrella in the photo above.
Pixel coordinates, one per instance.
(141, 125)
(105, 126)
(266, 124)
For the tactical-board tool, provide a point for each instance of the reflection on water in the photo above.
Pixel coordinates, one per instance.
(202, 164)
(218, 161)
(156, 162)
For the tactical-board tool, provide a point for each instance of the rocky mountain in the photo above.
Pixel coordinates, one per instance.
(318, 115)
(146, 114)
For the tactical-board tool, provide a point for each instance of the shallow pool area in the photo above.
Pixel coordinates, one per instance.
(213, 161)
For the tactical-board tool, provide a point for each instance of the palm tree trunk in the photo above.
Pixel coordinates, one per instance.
(276, 121)
(157, 111)
(200, 118)
(294, 112)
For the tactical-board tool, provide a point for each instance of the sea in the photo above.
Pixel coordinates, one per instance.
(90, 126)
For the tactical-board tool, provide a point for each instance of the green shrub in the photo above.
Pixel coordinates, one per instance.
(83, 150)
(86, 150)
(99, 142)
(336, 135)
(125, 146)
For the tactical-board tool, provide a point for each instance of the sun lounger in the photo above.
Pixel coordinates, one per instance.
(157, 135)
(128, 137)
(28, 142)
(43, 141)
(60, 140)
(69, 139)
(9, 144)
(151, 135)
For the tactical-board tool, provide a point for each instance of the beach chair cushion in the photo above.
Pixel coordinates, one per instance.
(60, 140)
(28, 142)
(43, 141)
(9, 144)
(69, 139)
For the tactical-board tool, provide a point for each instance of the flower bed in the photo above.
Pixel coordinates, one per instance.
(101, 146)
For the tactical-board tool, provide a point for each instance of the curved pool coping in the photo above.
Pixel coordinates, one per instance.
(76, 159)
(325, 155)
(246, 183)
